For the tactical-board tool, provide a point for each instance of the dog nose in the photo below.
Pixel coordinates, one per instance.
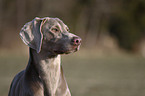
(76, 40)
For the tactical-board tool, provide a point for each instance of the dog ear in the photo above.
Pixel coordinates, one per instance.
(31, 33)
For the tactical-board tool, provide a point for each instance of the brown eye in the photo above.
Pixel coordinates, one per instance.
(55, 30)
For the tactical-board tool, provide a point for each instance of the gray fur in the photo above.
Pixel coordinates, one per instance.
(47, 38)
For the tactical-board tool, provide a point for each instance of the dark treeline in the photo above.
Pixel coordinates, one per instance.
(91, 19)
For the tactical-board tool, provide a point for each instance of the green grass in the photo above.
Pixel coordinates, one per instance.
(88, 74)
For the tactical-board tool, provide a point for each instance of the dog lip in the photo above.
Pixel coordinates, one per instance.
(72, 49)
(76, 44)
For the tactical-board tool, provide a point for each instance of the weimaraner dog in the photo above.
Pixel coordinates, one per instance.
(47, 38)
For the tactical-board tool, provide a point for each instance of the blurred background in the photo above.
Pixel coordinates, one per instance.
(111, 59)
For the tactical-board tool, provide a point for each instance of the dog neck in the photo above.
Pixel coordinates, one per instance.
(48, 68)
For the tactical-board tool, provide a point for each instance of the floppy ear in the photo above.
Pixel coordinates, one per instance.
(31, 33)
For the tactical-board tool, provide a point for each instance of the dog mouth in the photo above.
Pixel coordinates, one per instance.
(72, 49)
(76, 48)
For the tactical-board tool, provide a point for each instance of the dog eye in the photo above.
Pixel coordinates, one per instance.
(67, 29)
(55, 29)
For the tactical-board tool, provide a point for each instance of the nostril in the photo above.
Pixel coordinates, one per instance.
(76, 40)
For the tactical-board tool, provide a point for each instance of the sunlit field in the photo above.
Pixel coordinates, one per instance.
(87, 73)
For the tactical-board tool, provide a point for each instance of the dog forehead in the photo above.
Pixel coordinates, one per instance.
(58, 22)
(50, 22)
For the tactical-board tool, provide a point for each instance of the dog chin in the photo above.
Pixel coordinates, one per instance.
(63, 52)
(75, 48)
(66, 51)
(71, 51)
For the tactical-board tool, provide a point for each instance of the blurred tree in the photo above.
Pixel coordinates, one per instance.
(90, 17)
(1, 20)
(21, 12)
(124, 19)
(128, 23)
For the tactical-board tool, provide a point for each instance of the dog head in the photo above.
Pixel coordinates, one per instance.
(49, 34)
